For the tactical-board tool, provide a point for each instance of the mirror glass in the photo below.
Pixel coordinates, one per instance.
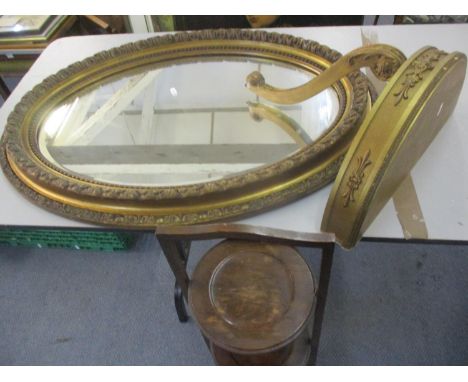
(181, 124)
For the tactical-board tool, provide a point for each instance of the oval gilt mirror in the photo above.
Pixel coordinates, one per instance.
(164, 131)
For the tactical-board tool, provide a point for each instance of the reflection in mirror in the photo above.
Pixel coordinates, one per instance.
(182, 124)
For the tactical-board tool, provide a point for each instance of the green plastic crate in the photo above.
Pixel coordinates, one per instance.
(73, 239)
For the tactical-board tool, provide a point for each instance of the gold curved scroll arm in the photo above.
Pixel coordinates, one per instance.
(384, 60)
(259, 111)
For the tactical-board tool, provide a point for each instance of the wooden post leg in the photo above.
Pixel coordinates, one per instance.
(4, 91)
(180, 303)
(325, 272)
(176, 256)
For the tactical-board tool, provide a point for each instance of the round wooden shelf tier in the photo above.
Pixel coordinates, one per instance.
(253, 302)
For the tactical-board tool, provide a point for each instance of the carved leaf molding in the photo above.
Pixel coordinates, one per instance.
(355, 180)
(415, 74)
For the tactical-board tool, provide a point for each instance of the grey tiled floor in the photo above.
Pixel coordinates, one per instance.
(388, 304)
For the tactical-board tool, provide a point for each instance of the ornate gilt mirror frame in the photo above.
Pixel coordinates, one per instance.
(304, 171)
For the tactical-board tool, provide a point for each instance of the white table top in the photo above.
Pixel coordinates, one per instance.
(440, 177)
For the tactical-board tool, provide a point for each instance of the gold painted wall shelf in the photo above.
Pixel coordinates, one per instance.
(407, 116)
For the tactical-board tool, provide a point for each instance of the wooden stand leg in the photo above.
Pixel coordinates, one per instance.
(4, 91)
(180, 304)
(176, 256)
(325, 272)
